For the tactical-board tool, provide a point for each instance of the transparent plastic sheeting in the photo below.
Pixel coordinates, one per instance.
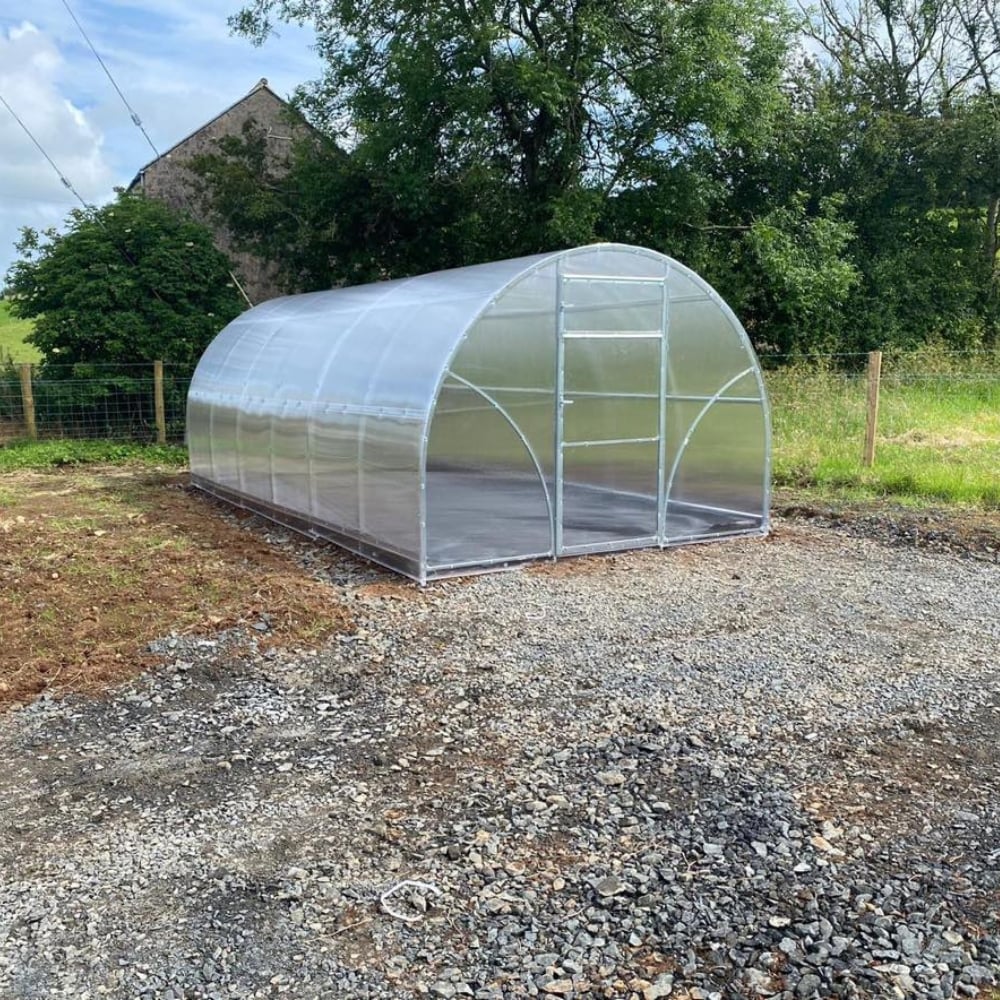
(588, 400)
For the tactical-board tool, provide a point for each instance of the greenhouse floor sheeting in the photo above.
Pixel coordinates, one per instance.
(470, 525)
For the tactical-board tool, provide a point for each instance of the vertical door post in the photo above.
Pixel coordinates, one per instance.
(557, 508)
(661, 448)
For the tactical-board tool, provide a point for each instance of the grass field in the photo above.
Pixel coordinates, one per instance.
(938, 436)
(12, 334)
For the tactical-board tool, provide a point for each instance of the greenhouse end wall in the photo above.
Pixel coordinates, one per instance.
(589, 400)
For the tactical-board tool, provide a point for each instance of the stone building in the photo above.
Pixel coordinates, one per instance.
(168, 178)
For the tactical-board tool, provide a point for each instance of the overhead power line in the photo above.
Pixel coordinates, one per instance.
(27, 131)
(136, 120)
(129, 259)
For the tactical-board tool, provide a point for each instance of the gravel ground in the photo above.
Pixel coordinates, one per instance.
(760, 768)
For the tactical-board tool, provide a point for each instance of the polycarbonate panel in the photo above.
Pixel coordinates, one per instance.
(326, 411)
(332, 453)
(706, 348)
(609, 494)
(204, 394)
(232, 382)
(602, 418)
(225, 468)
(599, 412)
(389, 482)
(496, 433)
(716, 480)
(612, 306)
(685, 284)
(199, 441)
(615, 260)
(486, 502)
(747, 386)
(623, 366)
(253, 447)
(289, 452)
(624, 468)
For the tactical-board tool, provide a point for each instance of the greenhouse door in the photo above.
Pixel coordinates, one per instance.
(610, 382)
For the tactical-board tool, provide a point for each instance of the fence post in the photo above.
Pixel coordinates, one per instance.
(28, 402)
(874, 382)
(158, 407)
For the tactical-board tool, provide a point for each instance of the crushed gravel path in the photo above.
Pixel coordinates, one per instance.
(752, 769)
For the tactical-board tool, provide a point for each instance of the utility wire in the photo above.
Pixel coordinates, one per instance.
(27, 131)
(129, 259)
(136, 120)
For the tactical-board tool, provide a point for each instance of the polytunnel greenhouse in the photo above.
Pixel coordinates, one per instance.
(588, 400)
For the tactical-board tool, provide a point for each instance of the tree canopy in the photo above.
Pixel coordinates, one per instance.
(480, 129)
(124, 284)
(837, 177)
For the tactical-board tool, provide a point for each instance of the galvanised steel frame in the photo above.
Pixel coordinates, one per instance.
(376, 549)
(665, 477)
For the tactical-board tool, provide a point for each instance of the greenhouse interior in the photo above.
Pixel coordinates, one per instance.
(588, 400)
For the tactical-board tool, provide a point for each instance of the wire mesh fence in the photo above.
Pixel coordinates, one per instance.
(826, 397)
(926, 425)
(942, 405)
(144, 403)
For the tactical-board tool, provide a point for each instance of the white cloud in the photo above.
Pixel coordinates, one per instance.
(30, 67)
(30, 191)
(177, 64)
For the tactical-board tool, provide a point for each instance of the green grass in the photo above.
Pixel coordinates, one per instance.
(12, 334)
(48, 454)
(938, 437)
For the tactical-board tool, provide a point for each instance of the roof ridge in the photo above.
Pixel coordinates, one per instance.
(261, 84)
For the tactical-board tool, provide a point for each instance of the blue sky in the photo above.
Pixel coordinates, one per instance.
(176, 62)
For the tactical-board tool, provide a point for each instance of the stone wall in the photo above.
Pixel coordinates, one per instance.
(169, 180)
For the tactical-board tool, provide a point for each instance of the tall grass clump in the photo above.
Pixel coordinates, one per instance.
(938, 430)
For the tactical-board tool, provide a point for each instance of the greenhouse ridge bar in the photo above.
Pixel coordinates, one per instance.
(588, 400)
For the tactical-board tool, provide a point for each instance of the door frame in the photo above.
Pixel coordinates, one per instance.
(560, 402)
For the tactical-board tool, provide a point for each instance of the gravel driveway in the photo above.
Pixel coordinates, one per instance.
(747, 769)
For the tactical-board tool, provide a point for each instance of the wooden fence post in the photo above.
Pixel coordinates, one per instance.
(28, 403)
(160, 410)
(874, 382)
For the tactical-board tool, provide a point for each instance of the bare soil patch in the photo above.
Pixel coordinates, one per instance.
(963, 531)
(96, 564)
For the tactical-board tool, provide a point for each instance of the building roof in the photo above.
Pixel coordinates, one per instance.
(260, 85)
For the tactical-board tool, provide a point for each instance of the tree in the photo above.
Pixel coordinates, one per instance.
(487, 128)
(802, 276)
(918, 139)
(122, 285)
(841, 193)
